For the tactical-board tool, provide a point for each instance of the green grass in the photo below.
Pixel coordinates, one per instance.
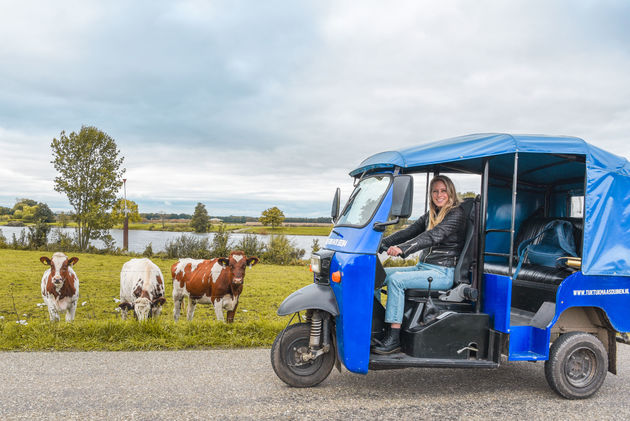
(289, 230)
(98, 325)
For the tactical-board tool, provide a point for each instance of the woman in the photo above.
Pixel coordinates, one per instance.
(440, 235)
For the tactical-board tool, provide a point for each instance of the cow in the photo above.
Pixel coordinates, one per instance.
(218, 282)
(60, 286)
(141, 289)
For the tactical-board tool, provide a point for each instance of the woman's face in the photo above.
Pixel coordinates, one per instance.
(439, 195)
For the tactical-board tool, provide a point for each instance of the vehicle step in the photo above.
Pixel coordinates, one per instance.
(401, 360)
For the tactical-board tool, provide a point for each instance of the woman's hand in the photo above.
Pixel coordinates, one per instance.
(394, 251)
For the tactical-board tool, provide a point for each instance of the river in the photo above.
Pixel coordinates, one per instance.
(140, 239)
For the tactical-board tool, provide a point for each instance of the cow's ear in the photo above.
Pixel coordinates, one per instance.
(159, 301)
(45, 260)
(224, 261)
(126, 306)
(252, 261)
(73, 261)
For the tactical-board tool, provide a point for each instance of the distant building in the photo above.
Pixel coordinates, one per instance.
(216, 221)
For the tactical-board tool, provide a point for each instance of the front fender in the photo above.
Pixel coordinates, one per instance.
(314, 296)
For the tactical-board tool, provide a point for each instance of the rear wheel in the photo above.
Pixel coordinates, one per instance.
(287, 358)
(577, 365)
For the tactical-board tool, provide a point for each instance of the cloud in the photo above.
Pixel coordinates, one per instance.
(251, 105)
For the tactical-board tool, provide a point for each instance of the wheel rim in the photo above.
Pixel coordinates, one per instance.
(580, 367)
(293, 352)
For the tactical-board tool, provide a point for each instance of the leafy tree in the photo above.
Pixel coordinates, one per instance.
(118, 211)
(220, 245)
(200, 221)
(90, 174)
(5, 211)
(272, 216)
(21, 202)
(43, 213)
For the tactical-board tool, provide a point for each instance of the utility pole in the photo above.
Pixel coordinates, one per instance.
(126, 225)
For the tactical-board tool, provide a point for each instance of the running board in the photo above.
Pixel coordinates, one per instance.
(400, 360)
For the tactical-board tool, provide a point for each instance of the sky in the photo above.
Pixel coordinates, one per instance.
(245, 105)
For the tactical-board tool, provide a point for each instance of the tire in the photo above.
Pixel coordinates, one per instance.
(284, 357)
(577, 365)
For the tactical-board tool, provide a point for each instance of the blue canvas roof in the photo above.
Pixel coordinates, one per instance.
(606, 246)
(476, 146)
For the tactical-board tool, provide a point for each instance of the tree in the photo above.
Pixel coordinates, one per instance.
(90, 174)
(200, 221)
(272, 216)
(118, 211)
(43, 213)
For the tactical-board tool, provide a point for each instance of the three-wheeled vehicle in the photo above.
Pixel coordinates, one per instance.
(566, 315)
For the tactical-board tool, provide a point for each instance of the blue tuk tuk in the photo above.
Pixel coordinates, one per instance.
(566, 315)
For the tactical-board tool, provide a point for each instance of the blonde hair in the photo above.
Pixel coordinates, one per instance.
(437, 215)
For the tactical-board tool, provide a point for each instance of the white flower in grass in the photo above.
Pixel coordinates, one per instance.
(244, 311)
(1, 317)
(116, 300)
(22, 322)
(83, 303)
(117, 309)
(41, 304)
(25, 315)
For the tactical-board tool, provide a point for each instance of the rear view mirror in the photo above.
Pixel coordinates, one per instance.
(334, 213)
(402, 196)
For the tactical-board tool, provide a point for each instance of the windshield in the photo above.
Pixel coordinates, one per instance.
(364, 201)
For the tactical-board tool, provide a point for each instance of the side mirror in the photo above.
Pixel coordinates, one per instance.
(334, 213)
(402, 196)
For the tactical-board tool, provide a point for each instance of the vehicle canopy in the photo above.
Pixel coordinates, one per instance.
(569, 162)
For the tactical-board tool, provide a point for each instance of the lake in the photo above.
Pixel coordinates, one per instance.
(139, 239)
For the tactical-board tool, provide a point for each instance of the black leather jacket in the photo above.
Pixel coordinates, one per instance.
(440, 245)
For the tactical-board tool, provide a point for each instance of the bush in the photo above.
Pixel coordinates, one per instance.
(251, 245)
(38, 235)
(220, 243)
(19, 243)
(3, 240)
(188, 246)
(148, 252)
(281, 251)
(62, 242)
(315, 246)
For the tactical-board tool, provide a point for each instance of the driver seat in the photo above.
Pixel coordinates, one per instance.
(465, 272)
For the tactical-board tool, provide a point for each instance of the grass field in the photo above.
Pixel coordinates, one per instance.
(98, 325)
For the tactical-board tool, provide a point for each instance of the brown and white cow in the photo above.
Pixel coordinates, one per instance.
(218, 282)
(141, 289)
(60, 286)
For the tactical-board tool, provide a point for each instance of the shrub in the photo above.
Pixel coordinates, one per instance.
(251, 245)
(188, 246)
(38, 235)
(148, 252)
(3, 240)
(315, 246)
(62, 242)
(220, 242)
(282, 251)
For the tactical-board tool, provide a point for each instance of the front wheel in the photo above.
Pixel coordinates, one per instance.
(577, 365)
(287, 358)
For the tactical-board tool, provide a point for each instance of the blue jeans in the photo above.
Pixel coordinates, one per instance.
(399, 279)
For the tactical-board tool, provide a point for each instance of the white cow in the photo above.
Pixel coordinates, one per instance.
(141, 289)
(60, 286)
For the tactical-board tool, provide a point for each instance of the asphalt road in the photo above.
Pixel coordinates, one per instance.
(240, 384)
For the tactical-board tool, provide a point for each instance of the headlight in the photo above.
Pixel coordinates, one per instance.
(316, 266)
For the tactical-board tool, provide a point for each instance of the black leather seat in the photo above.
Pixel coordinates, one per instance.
(535, 284)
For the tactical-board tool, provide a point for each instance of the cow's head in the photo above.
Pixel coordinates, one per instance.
(145, 307)
(236, 264)
(59, 267)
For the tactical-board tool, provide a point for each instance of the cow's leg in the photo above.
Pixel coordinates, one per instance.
(177, 305)
(231, 307)
(72, 308)
(53, 313)
(218, 308)
(191, 308)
